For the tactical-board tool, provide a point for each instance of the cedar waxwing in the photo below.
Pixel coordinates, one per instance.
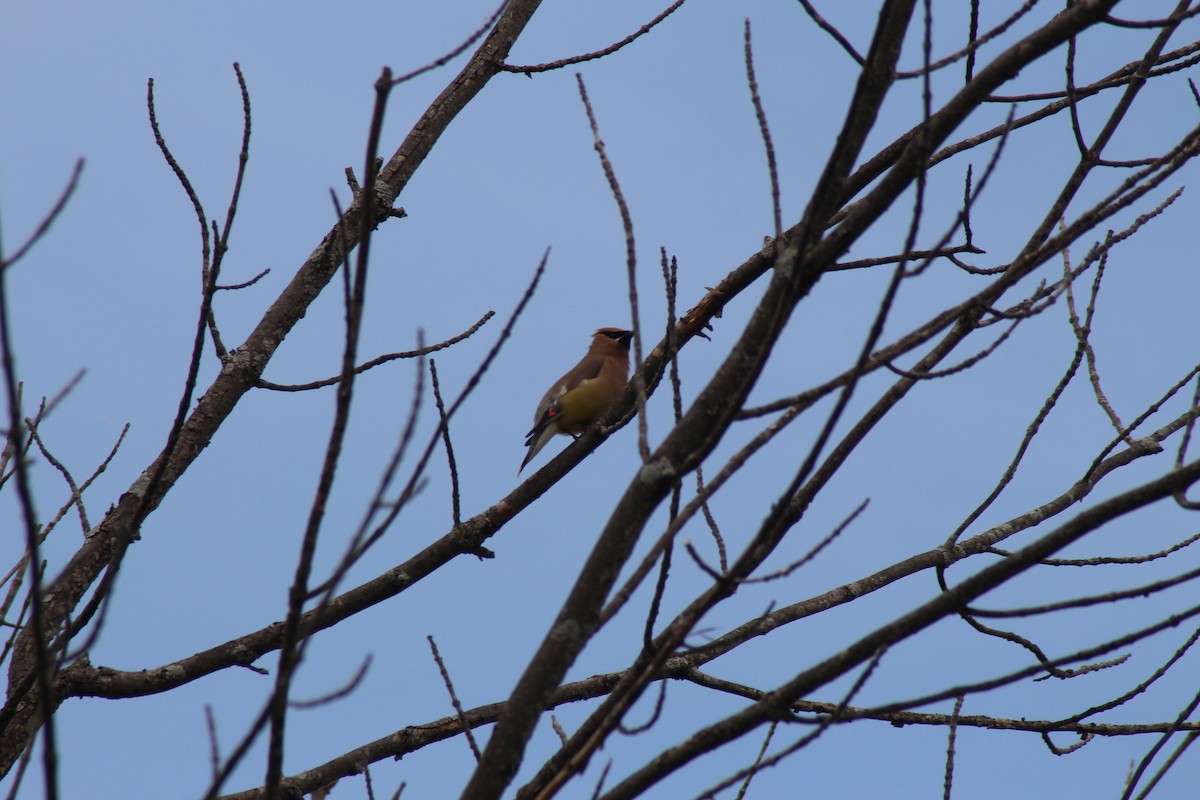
(584, 394)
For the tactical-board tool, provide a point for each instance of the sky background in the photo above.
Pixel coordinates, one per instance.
(113, 290)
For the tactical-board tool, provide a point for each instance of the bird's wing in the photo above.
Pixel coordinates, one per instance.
(548, 408)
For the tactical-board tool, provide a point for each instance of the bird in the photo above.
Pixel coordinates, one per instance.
(584, 394)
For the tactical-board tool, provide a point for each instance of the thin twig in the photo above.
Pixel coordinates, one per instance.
(832, 31)
(214, 745)
(764, 130)
(420, 351)
(444, 426)
(221, 238)
(76, 492)
(448, 57)
(762, 751)
(233, 287)
(337, 694)
(659, 704)
(458, 709)
(952, 734)
(566, 62)
(815, 550)
(48, 218)
(639, 380)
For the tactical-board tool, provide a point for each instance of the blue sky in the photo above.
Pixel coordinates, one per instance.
(113, 290)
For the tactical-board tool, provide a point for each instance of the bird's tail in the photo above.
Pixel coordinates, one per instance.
(536, 441)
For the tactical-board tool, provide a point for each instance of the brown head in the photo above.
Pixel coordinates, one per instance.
(611, 341)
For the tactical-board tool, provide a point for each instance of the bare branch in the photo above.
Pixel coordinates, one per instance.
(48, 219)
(948, 781)
(456, 52)
(765, 132)
(833, 32)
(458, 709)
(639, 381)
(566, 62)
(419, 352)
(337, 694)
(456, 512)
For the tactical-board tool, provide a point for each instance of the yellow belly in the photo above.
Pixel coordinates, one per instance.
(580, 407)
